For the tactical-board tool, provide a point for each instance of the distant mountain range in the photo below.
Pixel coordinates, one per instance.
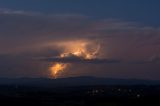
(75, 81)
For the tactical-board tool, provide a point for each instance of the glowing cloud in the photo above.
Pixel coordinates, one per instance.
(74, 51)
(57, 68)
(81, 49)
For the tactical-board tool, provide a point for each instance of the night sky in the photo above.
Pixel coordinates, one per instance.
(103, 38)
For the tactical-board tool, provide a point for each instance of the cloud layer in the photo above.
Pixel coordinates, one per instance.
(81, 60)
(34, 35)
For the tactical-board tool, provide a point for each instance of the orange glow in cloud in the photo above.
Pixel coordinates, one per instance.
(79, 49)
(57, 68)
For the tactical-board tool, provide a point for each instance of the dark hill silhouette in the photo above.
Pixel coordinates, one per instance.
(75, 81)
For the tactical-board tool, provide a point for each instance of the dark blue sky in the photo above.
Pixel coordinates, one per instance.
(144, 11)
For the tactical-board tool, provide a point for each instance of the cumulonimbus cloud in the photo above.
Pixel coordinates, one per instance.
(37, 34)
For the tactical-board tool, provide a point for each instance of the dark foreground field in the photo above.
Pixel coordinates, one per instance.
(80, 95)
(79, 91)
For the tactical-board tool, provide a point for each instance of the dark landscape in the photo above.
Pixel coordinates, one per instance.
(79, 91)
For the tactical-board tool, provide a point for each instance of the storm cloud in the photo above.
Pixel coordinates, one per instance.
(35, 35)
